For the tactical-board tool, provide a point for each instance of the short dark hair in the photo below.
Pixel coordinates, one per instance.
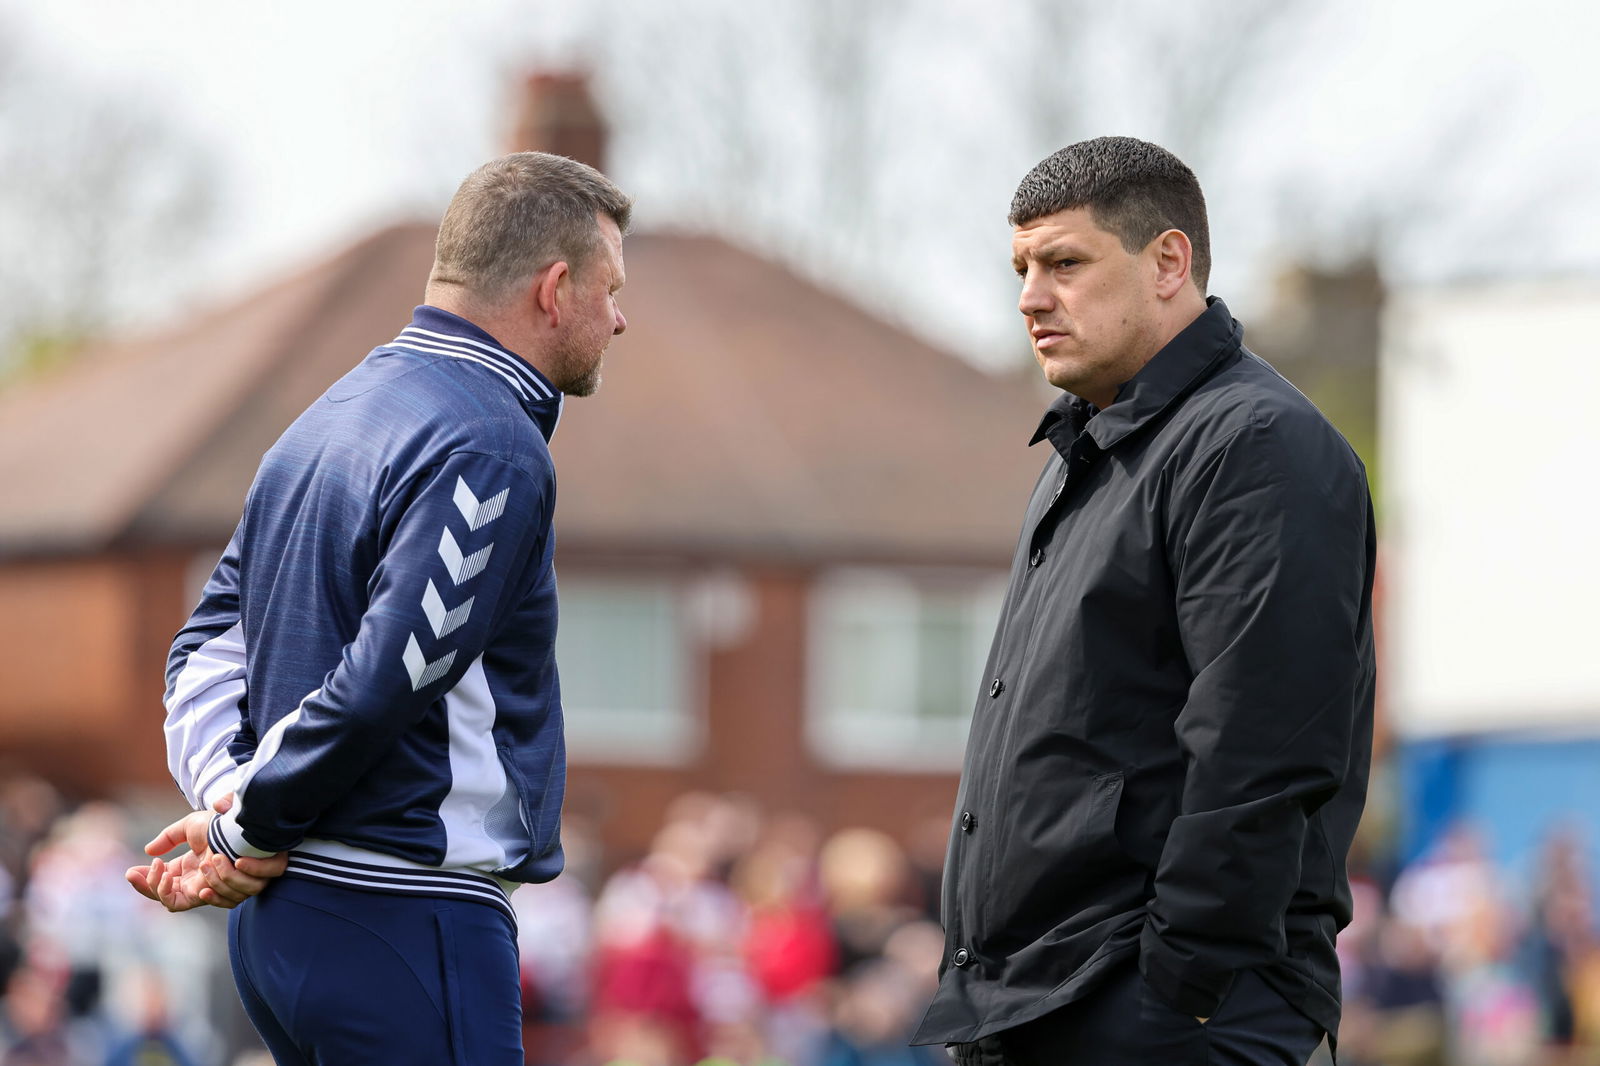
(516, 215)
(1133, 189)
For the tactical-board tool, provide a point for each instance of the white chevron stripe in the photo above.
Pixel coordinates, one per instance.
(444, 621)
(462, 568)
(479, 514)
(421, 670)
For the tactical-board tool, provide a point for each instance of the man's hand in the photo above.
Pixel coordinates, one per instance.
(165, 882)
(200, 876)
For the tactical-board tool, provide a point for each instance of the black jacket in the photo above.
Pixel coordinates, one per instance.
(1170, 752)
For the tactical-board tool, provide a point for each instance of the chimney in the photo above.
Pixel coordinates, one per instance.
(555, 113)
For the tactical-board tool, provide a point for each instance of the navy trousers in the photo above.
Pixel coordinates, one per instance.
(337, 977)
(1124, 1023)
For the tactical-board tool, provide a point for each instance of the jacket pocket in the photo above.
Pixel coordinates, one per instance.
(1059, 862)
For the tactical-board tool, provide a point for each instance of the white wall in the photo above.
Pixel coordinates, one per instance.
(1491, 538)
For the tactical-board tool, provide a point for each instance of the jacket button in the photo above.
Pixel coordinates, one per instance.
(1036, 558)
(996, 688)
(966, 821)
(961, 957)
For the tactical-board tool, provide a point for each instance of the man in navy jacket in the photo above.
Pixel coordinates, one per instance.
(365, 706)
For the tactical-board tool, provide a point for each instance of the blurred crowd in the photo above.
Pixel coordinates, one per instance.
(748, 939)
(737, 938)
(1456, 962)
(93, 973)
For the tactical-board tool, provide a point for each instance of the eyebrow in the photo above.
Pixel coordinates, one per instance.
(1061, 250)
(1064, 250)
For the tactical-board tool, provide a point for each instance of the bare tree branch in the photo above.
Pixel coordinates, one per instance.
(99, 204)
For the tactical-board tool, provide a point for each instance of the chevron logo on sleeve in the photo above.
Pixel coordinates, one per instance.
(421, 670)
(462, 567)
(479, 514)
(444, 620)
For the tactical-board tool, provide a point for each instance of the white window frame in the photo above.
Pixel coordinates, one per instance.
(894, 737)
(668, 734)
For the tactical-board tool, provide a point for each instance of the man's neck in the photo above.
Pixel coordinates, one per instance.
(1179, 315)
(505, 328)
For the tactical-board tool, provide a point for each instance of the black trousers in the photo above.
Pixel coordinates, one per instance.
(1124, 1023)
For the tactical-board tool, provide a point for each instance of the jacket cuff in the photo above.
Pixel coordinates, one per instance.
(1187, 987)
(226, 838)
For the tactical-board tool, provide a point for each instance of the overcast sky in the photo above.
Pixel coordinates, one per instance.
(329, 118)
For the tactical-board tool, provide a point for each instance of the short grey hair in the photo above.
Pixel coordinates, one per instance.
(1133, 189)
(515, 215)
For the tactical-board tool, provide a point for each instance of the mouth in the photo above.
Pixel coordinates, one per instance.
(1045, 338)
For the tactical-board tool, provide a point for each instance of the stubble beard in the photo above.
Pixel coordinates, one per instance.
(577, 374)
(585, 384)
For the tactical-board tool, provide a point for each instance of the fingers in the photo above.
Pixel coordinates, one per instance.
(139, 878)
(228, 886)
(190, 830)
(178, 883)
(223, 803)
(168, 881)
(272, 866)
(169, 838)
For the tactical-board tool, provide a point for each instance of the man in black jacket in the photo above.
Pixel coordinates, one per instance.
(1170, 752)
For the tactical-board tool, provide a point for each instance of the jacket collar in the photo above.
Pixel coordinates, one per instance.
(1172, 373)
(437, 332)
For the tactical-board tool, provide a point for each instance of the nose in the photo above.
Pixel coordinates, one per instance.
(1035, 296)
(620, 324)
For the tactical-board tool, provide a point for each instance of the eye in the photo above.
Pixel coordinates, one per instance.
(1062, 264)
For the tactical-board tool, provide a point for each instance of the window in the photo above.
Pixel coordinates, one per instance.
(621, 649)
(895, 664)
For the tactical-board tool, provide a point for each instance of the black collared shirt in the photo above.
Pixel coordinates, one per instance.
(1170, 749)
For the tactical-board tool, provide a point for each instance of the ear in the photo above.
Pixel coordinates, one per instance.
(1172, 255)
(546, 292)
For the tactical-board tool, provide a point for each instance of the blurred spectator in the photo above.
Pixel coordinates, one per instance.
(1561, 936)
(926, 849)
(1407, 1001)
(1445, 892)
(35, 1022)
(865, 878)
(665, 937)
(78, 905)
(29, 807)
(152, 1040)
(788, 944)
(873, 1015)
(554, 933)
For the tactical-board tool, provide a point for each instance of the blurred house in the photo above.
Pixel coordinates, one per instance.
(782, 531)
(1493, 507)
